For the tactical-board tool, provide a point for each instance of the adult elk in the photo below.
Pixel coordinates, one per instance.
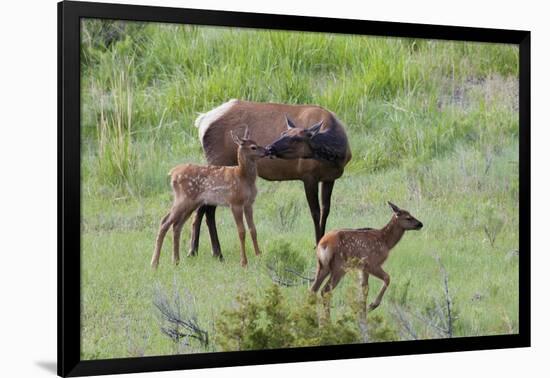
(310, 142)
(363, 248)
(196, 185)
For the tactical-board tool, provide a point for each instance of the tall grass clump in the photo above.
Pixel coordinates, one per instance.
(115, 154)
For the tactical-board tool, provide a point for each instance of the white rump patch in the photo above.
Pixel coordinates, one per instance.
(324, 255)
(204, 120)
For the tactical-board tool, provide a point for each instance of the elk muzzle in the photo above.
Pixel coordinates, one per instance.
(270, 152)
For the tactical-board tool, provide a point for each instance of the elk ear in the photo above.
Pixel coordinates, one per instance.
(246, 135)
(235, 138)
(289, 123)
(394, 208)
(314, 130)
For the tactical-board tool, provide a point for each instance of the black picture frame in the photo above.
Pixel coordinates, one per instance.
(69, 15)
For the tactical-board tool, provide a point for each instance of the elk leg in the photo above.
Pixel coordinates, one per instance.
(312, 194)
(364, 292)
(238, 215)
(249, 214)
(335, 277)
(195, 234)
(379, 273)
(212, 230)
(326, 193)
(178, 225)
(165, 224)
(320, 275)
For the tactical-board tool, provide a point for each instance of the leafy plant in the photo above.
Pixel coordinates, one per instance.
(285, 265)
(274, 323)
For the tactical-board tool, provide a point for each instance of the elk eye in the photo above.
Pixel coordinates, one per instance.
(253, 147)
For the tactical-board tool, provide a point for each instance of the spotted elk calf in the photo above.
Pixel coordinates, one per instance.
(363, 248)
(196, 185)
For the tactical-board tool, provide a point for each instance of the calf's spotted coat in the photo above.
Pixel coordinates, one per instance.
(363, 248)
(196, 185)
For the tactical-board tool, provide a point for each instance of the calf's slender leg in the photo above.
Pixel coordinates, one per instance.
(364, 292)
(195, 234)
(238, 215)
(178, 225)
(320, 275)
(249, 214)
(379, 273)
(165, 224)
(212, 230)
(335, 277)
(336, 274)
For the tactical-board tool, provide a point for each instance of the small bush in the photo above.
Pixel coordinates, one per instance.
(178, 319)
(273, 323)
(374, 327)
(286, 265)
(492, 223)
(380, 330)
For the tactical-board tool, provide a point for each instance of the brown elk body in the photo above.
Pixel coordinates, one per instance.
(318, 154)
(366, 249)
(196, 185)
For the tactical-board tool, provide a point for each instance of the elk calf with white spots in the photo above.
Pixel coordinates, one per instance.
(196, 185)
(363, 248)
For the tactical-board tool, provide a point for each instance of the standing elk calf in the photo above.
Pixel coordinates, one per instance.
(363, 248)
(196, 185)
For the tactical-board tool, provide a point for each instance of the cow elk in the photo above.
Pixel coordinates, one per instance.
(363, 248)
(196, 185)
(310, 145)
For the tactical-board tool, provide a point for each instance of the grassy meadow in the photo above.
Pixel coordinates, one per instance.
(433, 127)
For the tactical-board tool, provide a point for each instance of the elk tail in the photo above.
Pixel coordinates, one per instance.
(324, 253)
(205, 120)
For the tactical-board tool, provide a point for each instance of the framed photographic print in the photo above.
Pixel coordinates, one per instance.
(239, 188)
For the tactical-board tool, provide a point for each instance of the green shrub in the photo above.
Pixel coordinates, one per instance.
(274, 323)
(380, 330)
(285, 262)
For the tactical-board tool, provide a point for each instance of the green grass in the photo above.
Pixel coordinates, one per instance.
(433, 127)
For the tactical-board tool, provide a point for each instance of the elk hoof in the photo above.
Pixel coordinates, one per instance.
(176, 261)
(192, 253)
(218, 256)
(258, 253)
(244, 263)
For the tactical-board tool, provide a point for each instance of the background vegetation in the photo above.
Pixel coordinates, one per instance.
(433, 127)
